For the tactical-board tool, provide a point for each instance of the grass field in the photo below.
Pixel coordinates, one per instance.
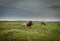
(13, 31)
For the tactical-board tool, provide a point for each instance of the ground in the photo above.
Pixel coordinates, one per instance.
(14, 31)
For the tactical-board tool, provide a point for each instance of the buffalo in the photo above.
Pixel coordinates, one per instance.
(28, 24)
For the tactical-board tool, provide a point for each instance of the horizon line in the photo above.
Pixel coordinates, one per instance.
(34, 20)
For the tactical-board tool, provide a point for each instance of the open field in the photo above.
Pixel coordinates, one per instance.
(13, 31)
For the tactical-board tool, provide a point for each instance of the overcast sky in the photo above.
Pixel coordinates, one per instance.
(30, 10)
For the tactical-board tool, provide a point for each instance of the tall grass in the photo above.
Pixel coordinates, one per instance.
(13, 31)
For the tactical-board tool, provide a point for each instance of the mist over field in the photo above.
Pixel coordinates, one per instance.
(35, 10)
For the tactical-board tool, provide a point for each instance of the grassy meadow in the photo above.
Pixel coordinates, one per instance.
(14, 31)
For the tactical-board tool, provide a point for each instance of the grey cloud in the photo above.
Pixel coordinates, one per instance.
(21, 3)
(54, 7)
(41, 9)
(2, 9)
(51, 2)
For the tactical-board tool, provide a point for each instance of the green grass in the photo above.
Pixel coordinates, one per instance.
(13, 31)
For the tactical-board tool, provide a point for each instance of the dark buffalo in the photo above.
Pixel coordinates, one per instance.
(42, 23)
(29, 24)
